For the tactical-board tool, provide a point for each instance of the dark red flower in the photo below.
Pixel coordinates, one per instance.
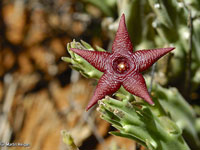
(122, 66)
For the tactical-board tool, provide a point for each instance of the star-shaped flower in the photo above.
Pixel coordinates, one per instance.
(122, 66)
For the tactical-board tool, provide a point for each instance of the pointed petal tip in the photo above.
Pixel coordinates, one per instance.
(79, 52)
(122, 21)
(172, 48)
(74, 49)
(91, 103)
(123, 15)
(152, 103)
(87, 109)
(89, 106)
(167, 49)
(122, 18)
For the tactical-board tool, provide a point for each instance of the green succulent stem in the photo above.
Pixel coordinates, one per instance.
(142, 125)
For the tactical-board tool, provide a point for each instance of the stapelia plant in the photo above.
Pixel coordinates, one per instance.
(149, 125)
(122, 66)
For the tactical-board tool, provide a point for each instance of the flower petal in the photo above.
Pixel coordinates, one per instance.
(136, 86)
(122, 42)
(146, 58)
(95, 58)
(107, 85)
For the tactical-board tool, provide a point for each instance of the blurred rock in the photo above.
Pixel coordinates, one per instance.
(38, 29)
(15, 18)
(8, 60)
(25, 64)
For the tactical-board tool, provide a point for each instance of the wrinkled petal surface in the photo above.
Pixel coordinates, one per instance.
(106, 86)
(137, 86)
(95, 58)
(146, 58)
(122, 42)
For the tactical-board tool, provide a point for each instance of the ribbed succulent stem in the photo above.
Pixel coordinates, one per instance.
(141, 124)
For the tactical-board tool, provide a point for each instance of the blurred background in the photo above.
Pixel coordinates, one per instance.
(40, 95)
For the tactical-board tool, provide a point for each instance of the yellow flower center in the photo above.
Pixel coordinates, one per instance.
(121, 66)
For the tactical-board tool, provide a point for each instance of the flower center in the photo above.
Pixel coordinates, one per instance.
(120, 65)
